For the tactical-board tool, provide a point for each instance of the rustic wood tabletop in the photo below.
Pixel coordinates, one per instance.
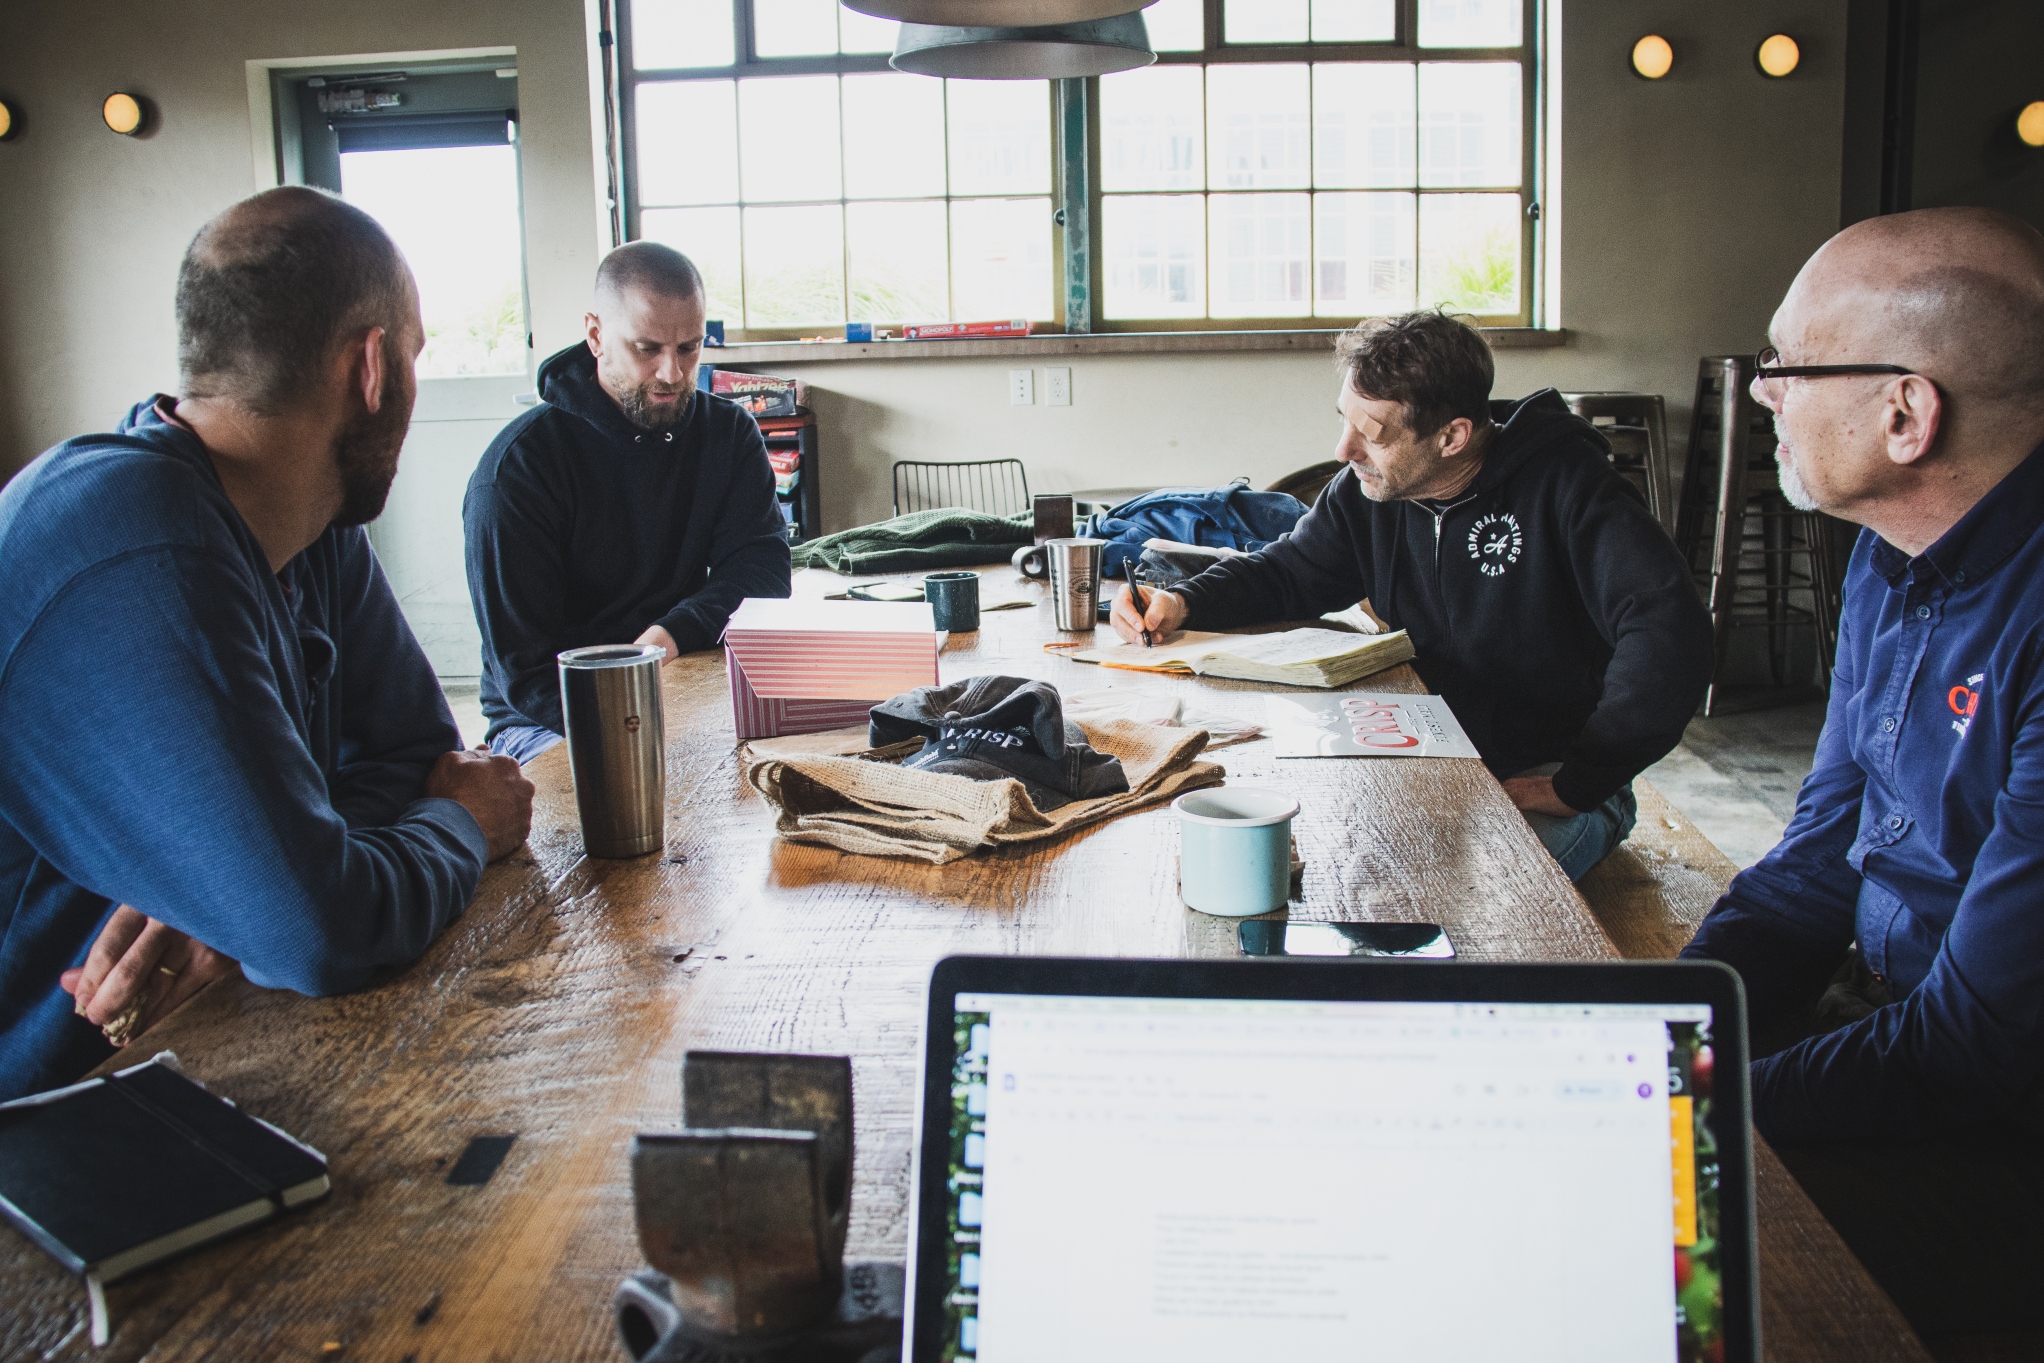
(558, 1008)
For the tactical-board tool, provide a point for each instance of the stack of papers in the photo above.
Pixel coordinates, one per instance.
(804, 666)
(1296, 657)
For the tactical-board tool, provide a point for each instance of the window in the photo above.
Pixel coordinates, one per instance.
(1284, 161)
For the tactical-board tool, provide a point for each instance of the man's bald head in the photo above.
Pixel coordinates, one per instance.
(272, 287)
(645, 268)
(1956, 294)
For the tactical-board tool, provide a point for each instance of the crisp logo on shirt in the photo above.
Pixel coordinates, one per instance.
(1495, 542)
(1964, 700)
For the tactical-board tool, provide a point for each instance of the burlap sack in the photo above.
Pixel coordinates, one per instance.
(856, 803)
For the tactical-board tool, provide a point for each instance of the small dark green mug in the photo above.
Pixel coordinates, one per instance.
(954, 599)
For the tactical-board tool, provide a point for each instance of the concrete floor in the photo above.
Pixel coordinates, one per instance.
(1735, 776)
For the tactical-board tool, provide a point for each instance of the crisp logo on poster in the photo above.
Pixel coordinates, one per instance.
(1495, 542)
(1381, 724)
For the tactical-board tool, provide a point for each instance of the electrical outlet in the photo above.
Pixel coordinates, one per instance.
(1021, 387)
(1057, 387)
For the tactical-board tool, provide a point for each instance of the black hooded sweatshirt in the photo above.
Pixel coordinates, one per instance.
(1545, 603)
(584, 529)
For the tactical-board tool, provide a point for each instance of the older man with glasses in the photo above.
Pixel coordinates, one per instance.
(1892, 945)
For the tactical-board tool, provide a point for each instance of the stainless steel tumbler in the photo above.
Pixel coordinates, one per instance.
(1074, 581)
(610, 696)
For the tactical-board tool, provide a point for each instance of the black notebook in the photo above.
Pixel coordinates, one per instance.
(115, 1174)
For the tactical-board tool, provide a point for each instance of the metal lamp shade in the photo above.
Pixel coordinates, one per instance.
(993, 13)
(1048, 52)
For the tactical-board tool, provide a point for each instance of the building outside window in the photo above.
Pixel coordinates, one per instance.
(1284, 161)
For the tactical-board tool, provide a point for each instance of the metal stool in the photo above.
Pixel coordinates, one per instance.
(1752, 553)
(1636, 424)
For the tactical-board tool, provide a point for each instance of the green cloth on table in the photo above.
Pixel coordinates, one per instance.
(948, 537)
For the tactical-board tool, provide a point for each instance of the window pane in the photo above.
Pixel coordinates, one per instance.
(1150, 125)
(1364, 261)
(895, 254)
(1469, 252)
(1176, 25)
(1469, 123)
(1155, 255)
(794, 28)
(682, 33)
(1258, 130)
(1355, 21)
(709, 237)
(688, 142)
(1000, 259)
(1469, 23)
(788, 139)
(453, 211)
(1264, 21)
(794, 266)
(894, 136)
(1258, 246)
(863, 33)
(1000, 136)
(1363, 125)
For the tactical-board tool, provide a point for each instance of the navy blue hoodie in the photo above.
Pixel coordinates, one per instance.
(1546, 604)
(583, 529)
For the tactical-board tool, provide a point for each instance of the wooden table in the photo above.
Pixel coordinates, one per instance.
(559, 1007)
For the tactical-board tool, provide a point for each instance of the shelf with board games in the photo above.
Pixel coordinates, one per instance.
(789, 428)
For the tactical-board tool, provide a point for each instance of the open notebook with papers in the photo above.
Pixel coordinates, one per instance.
(1293, 657)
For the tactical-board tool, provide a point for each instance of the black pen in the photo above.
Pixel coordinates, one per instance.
(1135, 592)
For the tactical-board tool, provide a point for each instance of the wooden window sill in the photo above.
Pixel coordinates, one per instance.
(1097, 343)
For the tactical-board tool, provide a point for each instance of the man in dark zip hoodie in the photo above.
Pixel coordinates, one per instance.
(1544, 602)
(626, 508)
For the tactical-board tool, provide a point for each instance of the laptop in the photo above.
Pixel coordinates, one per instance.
(1309, 1158)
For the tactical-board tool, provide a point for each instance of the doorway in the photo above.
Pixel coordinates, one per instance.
(430, 150)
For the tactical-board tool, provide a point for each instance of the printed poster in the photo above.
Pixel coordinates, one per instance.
(1364, 724)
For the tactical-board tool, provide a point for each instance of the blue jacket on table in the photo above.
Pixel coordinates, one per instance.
(1920, 834)
(237, 752)
(583, 529)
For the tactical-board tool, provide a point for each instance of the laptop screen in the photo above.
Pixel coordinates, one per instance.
(1218, 1179)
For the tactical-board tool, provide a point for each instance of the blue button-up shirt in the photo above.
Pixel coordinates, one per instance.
(1920, 834)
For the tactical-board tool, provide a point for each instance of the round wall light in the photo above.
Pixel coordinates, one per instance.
(2030, 124)
(1651, 56)
(1777, 56)
(123, 113)
(7, 120)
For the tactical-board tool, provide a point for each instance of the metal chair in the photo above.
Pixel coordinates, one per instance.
(1636, 424)
(1753, 555)
(998, 487)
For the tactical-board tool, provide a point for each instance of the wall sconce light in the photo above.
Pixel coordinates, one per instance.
(1651, 56)
(2030, 124)
(123, 113)
(1777, 56)
(8, 121)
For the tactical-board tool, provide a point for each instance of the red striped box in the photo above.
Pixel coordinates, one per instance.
(800, 667)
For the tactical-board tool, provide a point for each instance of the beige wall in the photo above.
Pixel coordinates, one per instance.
(1688, 205)
(94, 224)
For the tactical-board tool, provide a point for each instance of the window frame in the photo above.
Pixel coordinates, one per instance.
(1079, 263)
(750, 66)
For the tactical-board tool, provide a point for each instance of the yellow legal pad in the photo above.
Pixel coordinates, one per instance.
(1295, 657)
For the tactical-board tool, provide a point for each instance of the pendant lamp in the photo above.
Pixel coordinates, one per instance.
(1046, 52)
(993, 13)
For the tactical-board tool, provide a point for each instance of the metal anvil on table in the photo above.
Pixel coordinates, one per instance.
(742, 1215)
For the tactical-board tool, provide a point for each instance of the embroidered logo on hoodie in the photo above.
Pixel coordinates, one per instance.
(1495, 542)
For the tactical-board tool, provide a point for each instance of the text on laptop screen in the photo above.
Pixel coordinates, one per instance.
(1202, 1179)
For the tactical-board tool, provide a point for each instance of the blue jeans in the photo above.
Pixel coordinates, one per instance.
(522, 741)
(1581, 842)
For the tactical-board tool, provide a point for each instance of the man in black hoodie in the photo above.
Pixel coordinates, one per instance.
(627, 508)
(1545, 603)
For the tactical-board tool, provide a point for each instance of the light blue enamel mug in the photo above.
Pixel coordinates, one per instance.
(1235, 850)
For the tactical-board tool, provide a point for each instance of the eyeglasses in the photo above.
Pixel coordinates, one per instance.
(1768, 368)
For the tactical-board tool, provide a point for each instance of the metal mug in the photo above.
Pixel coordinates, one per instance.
(1074, 581)
(610, 699)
